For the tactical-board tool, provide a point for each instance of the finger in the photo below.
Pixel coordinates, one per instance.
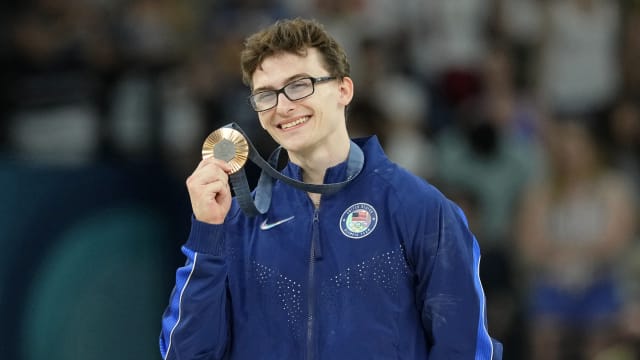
(217, 187)
(208, 173)
(211, 160)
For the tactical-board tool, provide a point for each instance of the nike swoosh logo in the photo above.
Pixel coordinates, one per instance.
(266, 226)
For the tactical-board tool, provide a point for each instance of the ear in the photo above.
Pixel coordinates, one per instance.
(346, 90)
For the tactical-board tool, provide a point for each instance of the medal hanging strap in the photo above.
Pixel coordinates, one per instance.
(260, 205)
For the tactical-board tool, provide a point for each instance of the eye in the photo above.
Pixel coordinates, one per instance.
(264, 96)
(298, 85)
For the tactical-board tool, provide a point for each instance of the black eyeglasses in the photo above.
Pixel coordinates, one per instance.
(295, 90)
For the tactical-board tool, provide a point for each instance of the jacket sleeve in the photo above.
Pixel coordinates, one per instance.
(446, 258)
(195, 324)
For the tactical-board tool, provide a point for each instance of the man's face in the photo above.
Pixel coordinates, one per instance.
(315, 121)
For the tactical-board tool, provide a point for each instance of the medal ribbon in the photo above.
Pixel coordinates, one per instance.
(262, 201)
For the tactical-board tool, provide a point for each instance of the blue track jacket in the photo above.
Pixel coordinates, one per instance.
(386, 268)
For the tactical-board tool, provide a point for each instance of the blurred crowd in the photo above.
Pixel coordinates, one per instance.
(524, 112)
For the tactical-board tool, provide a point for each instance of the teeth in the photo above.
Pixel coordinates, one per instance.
(294, 123)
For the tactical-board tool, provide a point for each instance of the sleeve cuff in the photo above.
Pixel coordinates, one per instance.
(205, 238)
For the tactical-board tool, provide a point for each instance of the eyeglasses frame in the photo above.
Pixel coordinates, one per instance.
(314, 81)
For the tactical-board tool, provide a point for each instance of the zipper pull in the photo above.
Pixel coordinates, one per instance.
(315, 240)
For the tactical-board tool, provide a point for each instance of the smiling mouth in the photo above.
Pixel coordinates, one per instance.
(291, 124)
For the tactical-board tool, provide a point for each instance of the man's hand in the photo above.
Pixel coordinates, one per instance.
(209, 191)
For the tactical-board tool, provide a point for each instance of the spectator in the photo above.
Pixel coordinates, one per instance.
(573, 225)
(578, 56)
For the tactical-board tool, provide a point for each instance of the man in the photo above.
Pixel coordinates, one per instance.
(385, 268)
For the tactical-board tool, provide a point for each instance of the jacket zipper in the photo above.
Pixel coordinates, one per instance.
(313, 255)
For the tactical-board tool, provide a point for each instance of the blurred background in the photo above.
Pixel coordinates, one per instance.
(525, 112)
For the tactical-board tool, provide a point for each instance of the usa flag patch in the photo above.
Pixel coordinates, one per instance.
(358, 220)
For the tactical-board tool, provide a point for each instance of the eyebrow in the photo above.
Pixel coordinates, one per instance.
(286, 81)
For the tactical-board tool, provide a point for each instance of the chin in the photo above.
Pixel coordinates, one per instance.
(293, 145)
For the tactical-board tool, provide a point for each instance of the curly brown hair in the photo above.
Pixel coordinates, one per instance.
(293, 36)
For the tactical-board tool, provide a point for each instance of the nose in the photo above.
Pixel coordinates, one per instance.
(284, 103)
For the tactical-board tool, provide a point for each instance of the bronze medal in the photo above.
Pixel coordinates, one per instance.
(232, 145)
(229, 145)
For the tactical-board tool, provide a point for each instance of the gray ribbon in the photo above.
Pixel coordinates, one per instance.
(262, 201)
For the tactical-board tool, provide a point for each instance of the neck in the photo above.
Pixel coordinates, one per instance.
(316, 161)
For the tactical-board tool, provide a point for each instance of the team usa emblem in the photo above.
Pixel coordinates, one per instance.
(358, 220)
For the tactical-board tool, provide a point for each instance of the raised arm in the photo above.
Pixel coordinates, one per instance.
(195, 324)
